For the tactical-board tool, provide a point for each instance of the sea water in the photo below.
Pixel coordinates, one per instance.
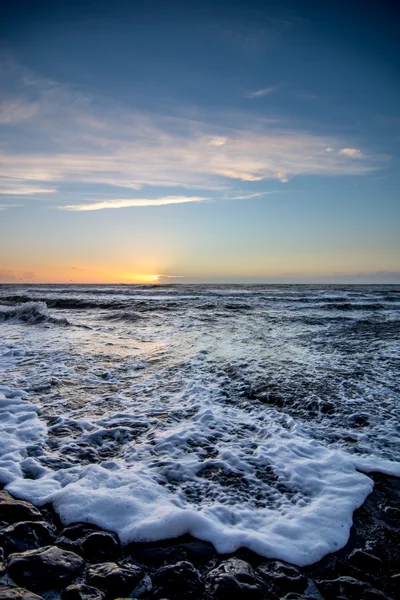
(247, 416)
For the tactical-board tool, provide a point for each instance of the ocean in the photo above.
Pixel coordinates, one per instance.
(245, 415)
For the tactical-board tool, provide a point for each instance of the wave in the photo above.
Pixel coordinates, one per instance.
(31, 313)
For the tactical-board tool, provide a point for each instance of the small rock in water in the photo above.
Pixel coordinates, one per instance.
(44, 568)
(363, 560)
(82, 592)
(26, 535)
(113, 578)
(13, 510)
(234, 579)
(17, 593)
(281, 577)
(181, 580)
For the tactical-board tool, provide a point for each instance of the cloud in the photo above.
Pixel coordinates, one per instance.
(16, 110)
(264, 92)
(249, 196)
(89, 142)
(4, 206)
(133, 202)
(7, 276)
(351, 152)
(25, 191)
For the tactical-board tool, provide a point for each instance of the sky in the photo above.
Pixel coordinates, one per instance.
(199, 141)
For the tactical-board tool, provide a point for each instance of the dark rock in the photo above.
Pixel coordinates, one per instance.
(358, 419)
(348, 587)
(195, 551)
(17, 593)
(82, 592)
(294, 596)
(13, 510)
(234, 579)
(373, 594)
(100, 546)
(181, 580)
(26, 535)
(327, 407)
(44, 568)
(365, 561)
(78, 531)
(121, 581)
(281, 577)
(392, 512)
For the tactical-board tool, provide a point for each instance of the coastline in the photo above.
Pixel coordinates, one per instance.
(367, 567)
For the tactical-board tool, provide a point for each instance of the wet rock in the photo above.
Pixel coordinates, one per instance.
(13, 510)
(281, 577)
(373, 594)
(113, 578)
(44, 568)
(181, 580)
(365, 561)
(327, 407)
(346, 587)
(26, 535)
(392, 512)
(78, 531)
(358, 419)
(82, 592)
(234, 579)
(295, 596)
(195, 551)
(100, 546)
(17, 593)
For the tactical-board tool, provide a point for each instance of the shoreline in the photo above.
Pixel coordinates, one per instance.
(83, 562)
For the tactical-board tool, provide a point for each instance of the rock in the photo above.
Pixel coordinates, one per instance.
(26, 535)
(17, 593)
(13, 510)
(234, 579)
(82, 592)
(91, 542)
(373, 594)
(194, 551)
(78, 531)
(365, 561)
(347, 587)
(392, 512)
(113, 578)
(100, 546)
(294, 596)
(44, 568)
(282, 578)
(358, 419)
(181, 580)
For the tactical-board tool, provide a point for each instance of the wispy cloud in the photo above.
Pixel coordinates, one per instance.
(86, 142)
(249, 196)
(5, 206)
(25, 191)
(264, 92)
(133, 202)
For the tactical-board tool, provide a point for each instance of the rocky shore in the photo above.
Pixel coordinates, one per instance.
(40, 558)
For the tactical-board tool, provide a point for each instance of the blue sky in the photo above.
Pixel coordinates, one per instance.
(203, 141)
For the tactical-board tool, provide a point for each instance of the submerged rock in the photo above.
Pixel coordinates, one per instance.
(349, 589)
(82, 592)
(13, 510)
(181, 580)
(17, 593)
(110, 577)
(281, 577)
(234, 579)
(44, 568)
(26, 535)
(364, 560)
